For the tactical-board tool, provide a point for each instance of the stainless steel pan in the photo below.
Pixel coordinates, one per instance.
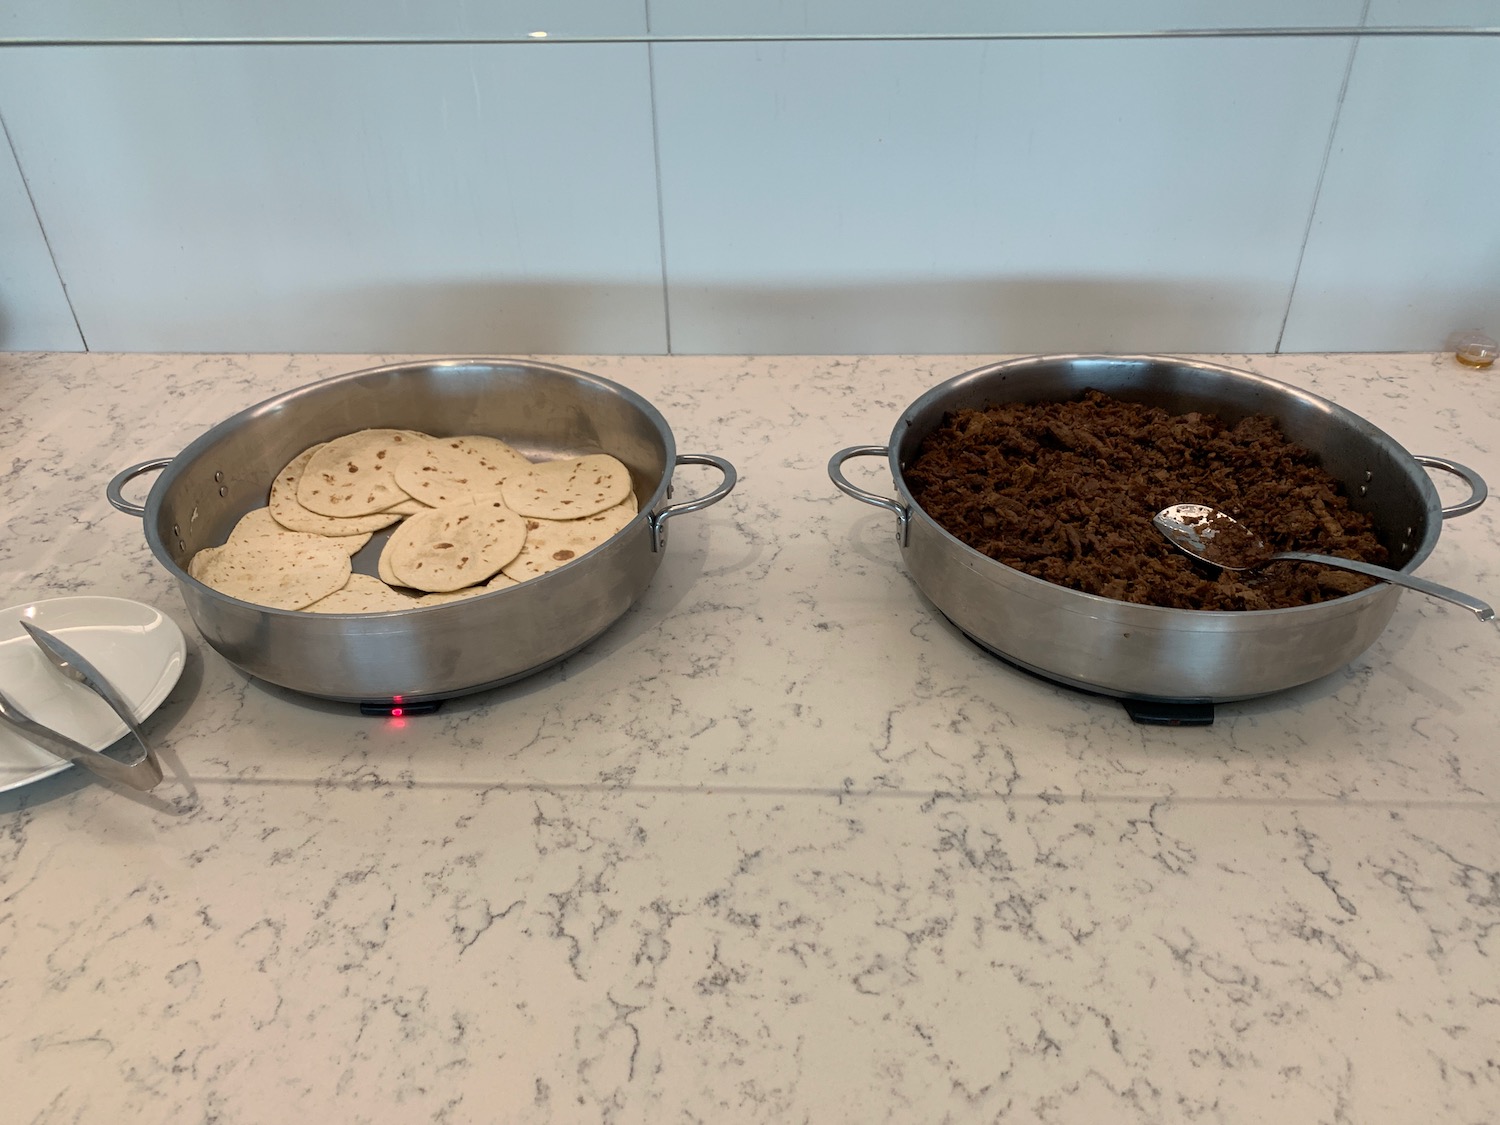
(432, 651)
(1150, 652)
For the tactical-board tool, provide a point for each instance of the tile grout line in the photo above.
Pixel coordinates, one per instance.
(841, 793)
(1312, 211)
(42, 227)
(661, 214)
(1420, 31)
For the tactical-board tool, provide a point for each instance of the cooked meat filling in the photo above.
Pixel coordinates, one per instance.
(1065, 492)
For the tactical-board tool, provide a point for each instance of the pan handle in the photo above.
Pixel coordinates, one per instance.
(1478, 490)
(115, 494)
(836, 474)
(726, 486)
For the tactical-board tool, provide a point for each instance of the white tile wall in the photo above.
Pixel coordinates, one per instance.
(34, 312)
(814, 196)
(1434, 13)
(1405, 247)
(905, 17)
(518, 18)
(104, 19)
(1003, 196)
(347, 198)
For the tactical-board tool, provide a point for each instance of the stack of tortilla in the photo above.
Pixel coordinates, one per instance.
(474, 515)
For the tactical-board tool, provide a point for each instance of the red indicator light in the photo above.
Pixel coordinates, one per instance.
(396, 709)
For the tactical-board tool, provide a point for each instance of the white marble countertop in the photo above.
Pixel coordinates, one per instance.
(780, 846)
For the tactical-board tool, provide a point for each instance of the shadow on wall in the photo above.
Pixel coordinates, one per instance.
(1045, 314)
(948, 316)
(471, 317)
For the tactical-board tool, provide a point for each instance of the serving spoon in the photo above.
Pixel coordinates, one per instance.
(1219, 539)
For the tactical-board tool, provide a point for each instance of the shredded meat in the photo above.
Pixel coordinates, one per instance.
(1065, 492)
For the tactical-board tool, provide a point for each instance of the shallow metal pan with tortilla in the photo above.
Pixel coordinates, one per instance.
(438, 650)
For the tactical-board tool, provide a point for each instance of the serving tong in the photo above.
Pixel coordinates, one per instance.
(143, 774)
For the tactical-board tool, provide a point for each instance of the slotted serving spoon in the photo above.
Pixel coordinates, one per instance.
(1218, 539)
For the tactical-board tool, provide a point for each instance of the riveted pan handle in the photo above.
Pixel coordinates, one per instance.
(115, 490)
(836, 474)
(1478, 490)
(726, 486)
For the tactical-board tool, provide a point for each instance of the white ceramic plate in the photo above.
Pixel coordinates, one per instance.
(137, 648)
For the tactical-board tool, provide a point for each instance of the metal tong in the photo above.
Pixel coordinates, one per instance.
(143, 774)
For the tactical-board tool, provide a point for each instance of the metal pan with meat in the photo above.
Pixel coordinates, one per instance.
(1163, 652)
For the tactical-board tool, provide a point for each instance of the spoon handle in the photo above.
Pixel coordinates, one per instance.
(1396, 578)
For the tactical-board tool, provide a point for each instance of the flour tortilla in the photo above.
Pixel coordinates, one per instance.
(454, 596)
(407, 507)
(383, 560)
(447, 470)
(202, 561)
(449, 548)
(351, 475)
(272, 572)
(260, 524)
(286, 510)
(492, 449)
(363, 594)
(568, 489)
(553, 543)
(383, 566)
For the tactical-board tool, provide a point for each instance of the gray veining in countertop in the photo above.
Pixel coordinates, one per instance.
(781, 846)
